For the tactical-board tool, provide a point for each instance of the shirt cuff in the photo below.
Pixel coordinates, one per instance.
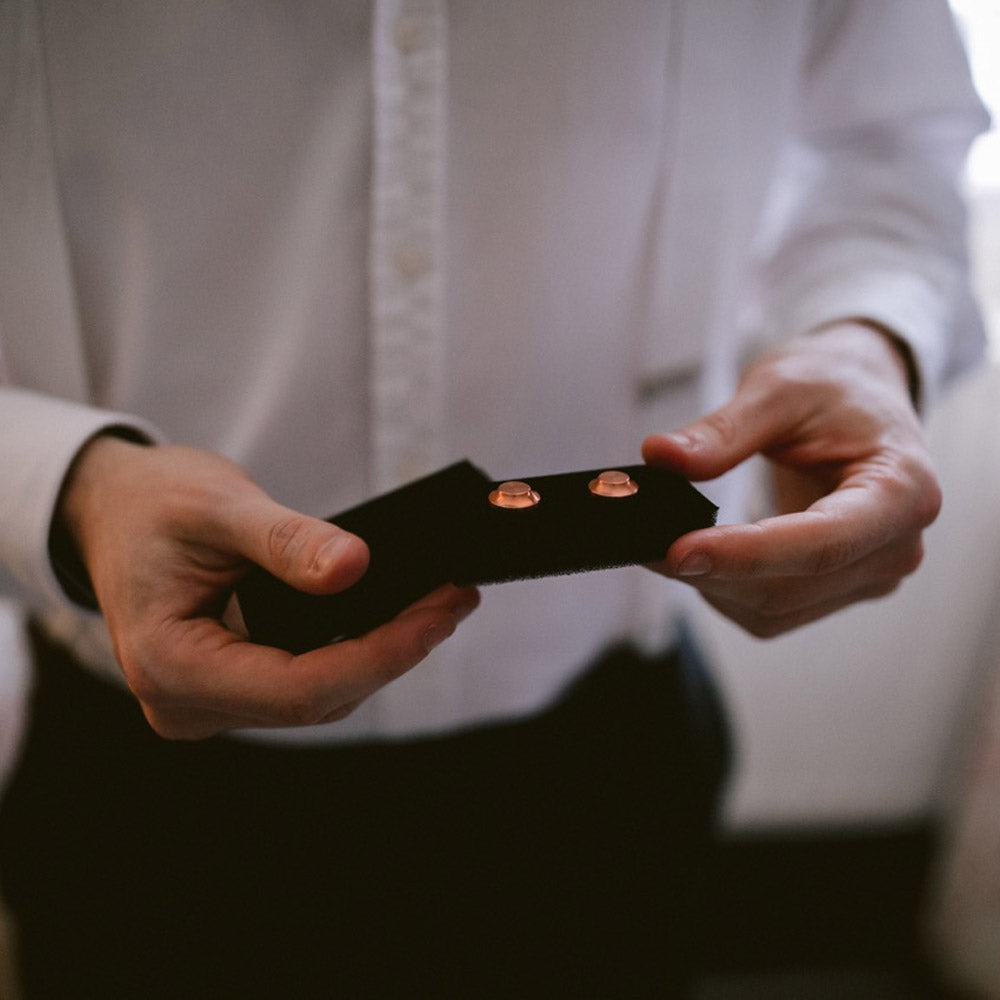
(41, 438)
(919, 312)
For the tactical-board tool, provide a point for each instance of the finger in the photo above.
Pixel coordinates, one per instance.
(860, 517)
(720, 440)
(208, 669)
(775, 597)
(373, 660)
(446, 596)
(199, 724)
(768, 626)
(305, 552)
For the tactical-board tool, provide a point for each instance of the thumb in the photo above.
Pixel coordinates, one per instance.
(305, 552)
(713, 444)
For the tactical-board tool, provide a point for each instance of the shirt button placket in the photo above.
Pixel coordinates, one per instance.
(410, 75)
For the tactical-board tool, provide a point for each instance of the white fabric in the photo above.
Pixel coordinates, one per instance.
(344, 243)
(14, 683)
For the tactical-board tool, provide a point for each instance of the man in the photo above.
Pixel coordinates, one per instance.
(324, 249)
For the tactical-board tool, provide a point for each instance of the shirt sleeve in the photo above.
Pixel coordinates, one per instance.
(867, 219)
(41, 437)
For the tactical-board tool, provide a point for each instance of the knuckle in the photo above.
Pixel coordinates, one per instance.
(832, 554)
(175, 730)
(143, 681)
(339, 714)
(306, 709)
(757, 623)
(910, 559)
(911, 482)
(883, 589)
(929, 503)
(763, 626)
(764, 599)
(786, 375)
(285, 538)
(389, 670)
(721, 424)
(771, 376)
(770, 614)
(161, 726)
(140, 654)
(769, 607)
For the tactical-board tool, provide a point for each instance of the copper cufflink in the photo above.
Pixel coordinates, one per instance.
(614, 484)
(516, 495)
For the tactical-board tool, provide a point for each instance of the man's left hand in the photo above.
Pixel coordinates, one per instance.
(854, 482)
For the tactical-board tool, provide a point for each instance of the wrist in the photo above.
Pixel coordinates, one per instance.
(79, 498)
(877, 347)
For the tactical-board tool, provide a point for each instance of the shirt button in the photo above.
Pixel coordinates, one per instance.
(411, 262)
(407, 33)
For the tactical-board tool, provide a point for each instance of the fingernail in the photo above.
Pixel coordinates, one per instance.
(685, 440)
(696, 564)
(331, 552)
(437, 633)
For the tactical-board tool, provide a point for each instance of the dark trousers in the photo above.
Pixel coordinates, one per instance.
(562, 856)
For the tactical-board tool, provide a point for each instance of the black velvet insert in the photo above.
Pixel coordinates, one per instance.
(443, 529)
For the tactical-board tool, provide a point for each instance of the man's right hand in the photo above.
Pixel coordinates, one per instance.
(165, 532)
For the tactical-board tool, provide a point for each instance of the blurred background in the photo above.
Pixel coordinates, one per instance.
(862, 849)
(861, 856)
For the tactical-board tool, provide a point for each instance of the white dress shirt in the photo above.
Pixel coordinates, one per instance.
(346, 243)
